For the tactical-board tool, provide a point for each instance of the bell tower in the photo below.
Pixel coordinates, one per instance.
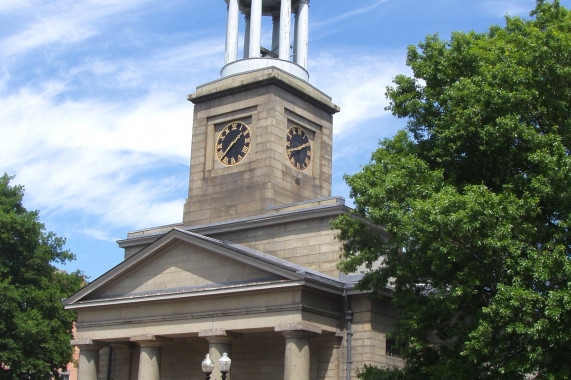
(262, 135)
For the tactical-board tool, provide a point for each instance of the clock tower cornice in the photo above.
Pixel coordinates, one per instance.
(262, 78)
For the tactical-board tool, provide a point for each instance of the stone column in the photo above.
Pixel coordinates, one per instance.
(285, 27)
(88, 358)
(297, 360)
(255, 29)
(219, 342)
(217, 345)
(232, 32)
(149, 360)
(149, 357)
(296, 363)
(247, 37)
(301, 33)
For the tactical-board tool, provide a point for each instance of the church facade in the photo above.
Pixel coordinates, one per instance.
(251, 271)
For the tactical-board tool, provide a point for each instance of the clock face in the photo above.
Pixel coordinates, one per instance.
(233, 143)
(298, 148)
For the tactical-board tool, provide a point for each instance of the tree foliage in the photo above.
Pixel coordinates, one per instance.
(35, 330)
(476, 196)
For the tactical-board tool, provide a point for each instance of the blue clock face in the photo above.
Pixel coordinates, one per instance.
(298, 148)
(233, 143)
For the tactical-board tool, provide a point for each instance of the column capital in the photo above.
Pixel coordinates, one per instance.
(219, 335)
(297, 334)
(299, 327)
(86, 344)
(150, 340)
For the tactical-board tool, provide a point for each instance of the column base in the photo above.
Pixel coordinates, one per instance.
(252, 64)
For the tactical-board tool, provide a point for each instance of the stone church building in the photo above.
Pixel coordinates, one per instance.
(252, 268)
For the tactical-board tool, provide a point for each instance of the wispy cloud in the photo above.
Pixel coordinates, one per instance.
(44, 32)
(357, 83)
(92, 157)
(350, 14)
(59, 21)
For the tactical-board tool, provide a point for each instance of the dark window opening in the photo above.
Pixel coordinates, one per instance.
(393, 349)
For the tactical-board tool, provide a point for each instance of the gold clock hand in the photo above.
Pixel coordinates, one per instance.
(299, 147)
(232, 144)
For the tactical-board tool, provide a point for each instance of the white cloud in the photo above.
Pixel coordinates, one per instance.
(98, 234)
(357, 83)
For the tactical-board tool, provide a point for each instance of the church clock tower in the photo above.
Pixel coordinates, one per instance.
(262, 135)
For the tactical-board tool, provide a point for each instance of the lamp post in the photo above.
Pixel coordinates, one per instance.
(207, 366)
(224, 364)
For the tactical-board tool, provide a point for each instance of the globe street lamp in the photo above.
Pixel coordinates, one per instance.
(224, 364)
(207, 366)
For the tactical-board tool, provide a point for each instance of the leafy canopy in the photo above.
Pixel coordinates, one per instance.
(476, 196)
(34, 329)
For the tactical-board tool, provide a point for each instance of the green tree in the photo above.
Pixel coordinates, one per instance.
(35, 330)
(476, 196)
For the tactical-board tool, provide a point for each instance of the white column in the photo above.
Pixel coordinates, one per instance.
(255, 28)
(232, 32)
(285, 27)
(275, 33)
(297, 359)
(149, 361)
(247, 37)
(301, 33)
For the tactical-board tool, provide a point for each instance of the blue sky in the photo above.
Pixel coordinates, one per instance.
(94, 120)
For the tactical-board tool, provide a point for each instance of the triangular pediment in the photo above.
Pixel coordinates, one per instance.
(182, 264)
(183, 267)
